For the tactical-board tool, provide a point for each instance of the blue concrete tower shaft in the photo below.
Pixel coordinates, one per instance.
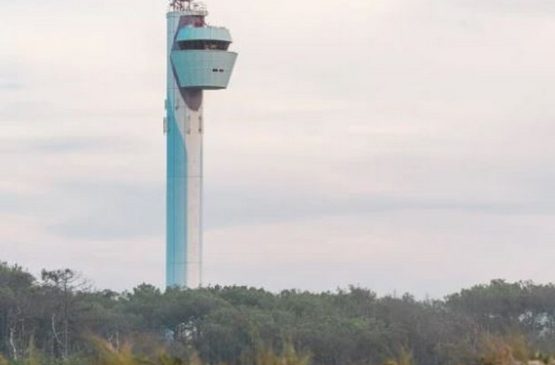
(197, 60)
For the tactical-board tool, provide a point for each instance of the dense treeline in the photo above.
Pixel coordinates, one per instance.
(57, 315)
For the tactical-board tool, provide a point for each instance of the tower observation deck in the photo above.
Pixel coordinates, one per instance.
(198, 59)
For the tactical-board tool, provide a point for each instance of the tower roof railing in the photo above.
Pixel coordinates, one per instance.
(189, 6)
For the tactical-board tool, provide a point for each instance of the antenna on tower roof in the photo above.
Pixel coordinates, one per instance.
(188, 5)
(180, 5)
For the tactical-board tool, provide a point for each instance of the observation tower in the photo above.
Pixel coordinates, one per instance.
(197, 59)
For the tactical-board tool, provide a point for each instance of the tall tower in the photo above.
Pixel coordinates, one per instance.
(198, 60)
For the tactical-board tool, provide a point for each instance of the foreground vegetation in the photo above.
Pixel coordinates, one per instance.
(58, 319)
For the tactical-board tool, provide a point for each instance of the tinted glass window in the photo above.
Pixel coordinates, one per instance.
(219, 45)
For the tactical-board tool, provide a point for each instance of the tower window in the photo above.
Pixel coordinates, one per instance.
(200, 44)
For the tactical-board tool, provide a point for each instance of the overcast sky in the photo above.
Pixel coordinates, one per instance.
(401, 145)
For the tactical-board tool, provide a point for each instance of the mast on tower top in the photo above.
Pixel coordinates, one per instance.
(180, 5)
(191, 6)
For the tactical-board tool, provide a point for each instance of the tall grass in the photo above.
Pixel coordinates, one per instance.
(108, 355)
(510, 350)
(289, 357)
(404, 358)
